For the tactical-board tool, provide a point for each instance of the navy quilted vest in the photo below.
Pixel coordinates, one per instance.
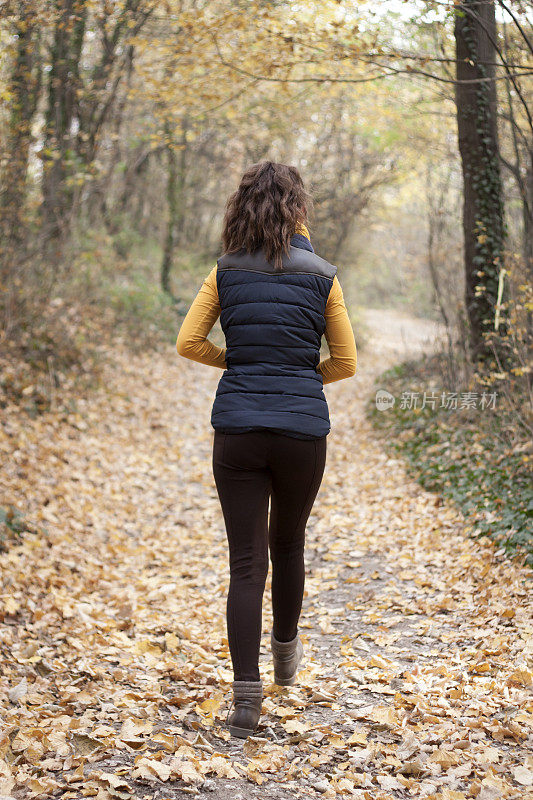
(273, 323)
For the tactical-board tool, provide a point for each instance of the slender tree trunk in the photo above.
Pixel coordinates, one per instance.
(24, 87)
(527, 210)
(435, 234)
(527, 216)
(59, 164)
(175, 201)
(483, 217)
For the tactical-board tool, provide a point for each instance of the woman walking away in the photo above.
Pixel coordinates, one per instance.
(276, 298)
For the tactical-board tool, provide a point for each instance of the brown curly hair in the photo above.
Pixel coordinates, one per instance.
(265, 211)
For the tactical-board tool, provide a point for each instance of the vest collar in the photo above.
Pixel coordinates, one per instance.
(301, 238)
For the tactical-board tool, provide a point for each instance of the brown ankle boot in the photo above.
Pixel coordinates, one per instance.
(286, 657)
(247, 699)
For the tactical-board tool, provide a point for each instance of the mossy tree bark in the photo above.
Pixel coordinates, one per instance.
(483, 214)
(23, 87)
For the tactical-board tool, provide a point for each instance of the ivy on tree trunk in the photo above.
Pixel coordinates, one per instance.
(483, 215)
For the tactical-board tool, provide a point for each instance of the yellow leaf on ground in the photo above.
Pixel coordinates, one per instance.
(149, 768)
(523, 776)
(358, 737)
(295, 726)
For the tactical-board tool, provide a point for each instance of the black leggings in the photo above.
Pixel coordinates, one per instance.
(249, 468)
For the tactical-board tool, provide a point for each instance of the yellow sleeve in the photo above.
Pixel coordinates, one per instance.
(342, 361)
(192, 341)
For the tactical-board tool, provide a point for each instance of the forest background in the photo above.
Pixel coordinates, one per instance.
(125, 126)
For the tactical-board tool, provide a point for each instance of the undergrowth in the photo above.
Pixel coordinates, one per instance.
(480, 459)
(109, 294)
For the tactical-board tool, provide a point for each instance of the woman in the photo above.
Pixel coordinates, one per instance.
(275, 299)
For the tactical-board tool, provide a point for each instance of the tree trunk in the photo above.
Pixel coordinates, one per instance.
(527, 210)
(175, 201)
(59, 164)
(483, 217)
(24, 87)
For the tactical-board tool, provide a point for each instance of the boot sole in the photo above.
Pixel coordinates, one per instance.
(285, 681)
(240, 733)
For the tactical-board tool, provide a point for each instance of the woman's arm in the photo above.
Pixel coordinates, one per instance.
(192, 339)
(342, 361)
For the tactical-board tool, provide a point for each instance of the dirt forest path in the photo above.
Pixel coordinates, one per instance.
(114, 667)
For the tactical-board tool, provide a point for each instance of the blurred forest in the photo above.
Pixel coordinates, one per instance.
(125, 125)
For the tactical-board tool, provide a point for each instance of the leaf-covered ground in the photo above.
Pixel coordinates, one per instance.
(115, 672)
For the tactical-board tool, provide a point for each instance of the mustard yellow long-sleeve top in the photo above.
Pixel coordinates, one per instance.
(192, 341)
